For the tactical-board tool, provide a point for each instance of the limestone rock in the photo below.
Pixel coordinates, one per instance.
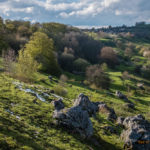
(76, 119)
(137, 133)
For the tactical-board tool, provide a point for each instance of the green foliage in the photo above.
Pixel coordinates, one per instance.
(80, 65)
(60, 90)
(41, 48)
(26, 66)
(95, 75)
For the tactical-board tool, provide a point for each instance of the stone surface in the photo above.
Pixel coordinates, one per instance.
(121, 96)
(105, 109)
(129, 105)
(137, 133)
(84, 102)
(58, 104)
(76, 119)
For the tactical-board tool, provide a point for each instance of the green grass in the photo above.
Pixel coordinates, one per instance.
(35, 128)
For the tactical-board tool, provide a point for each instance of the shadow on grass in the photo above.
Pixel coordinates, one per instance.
(143, 102)
(13, 130)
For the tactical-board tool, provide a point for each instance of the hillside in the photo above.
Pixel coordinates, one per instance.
(26, 124)
(69, 89)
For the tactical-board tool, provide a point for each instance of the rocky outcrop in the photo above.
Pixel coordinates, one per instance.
(84, 102)
(137, 133)
(77, 118)
(105, 109)
(121, 96)
(129, 105)
(58, 104)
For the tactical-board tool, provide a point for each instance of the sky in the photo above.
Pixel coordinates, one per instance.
(83, 13)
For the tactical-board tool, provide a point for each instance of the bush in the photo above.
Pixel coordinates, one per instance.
(60, 90)
(26, 66)
(80, 65)
(95, 75)
(63, 78)
(9, 62)
(109, 56)
(66, 61)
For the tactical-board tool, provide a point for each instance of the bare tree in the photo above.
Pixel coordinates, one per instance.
(9, 61)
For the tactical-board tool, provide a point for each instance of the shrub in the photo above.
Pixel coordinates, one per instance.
(95, 75)
(109, 56)
(80, 64)
(26, 66)
(9, 62)
(63, 78)
(66, 61)
(60, 90)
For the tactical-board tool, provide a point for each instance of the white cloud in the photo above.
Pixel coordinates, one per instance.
(77, 11)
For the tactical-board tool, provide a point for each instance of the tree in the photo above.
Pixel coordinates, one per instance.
(95, 75)
(66, 61)
(109, 56)
(26, 66)
(9, 61)
(41, 49)
(80, 64)
(128, 52)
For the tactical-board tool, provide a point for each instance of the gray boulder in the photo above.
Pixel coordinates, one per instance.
(137, 133)
(75, 118)
(121, 96)
(84, 102)
(110, 111)
(58, 104)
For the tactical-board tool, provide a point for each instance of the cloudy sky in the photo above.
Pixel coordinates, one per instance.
(78, 12)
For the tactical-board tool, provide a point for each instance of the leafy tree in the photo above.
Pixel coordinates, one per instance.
(26, 66)
(9, 61)
(41, 49)
(109, 56)
(66, 61)
(95, 75)
(128, 52)
(80, 64)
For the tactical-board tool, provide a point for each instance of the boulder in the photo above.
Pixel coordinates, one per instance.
(84, 102)
(75, 118)
(110, 129)
(120, 121)
(58, 104)
(129, 105)
(137, 133)
(121, 96)
(140, 86)
(110, 111)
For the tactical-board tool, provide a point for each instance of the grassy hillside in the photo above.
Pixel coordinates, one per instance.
(26, 122)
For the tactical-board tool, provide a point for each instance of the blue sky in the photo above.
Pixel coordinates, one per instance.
(78, 12)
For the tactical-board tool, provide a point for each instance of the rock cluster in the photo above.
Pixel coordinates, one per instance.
(77, 118)
(110, 111)
(137, 133)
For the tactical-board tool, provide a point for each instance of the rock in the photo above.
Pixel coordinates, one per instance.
(84, 102)
(141, 86)
(58, 104)
(130, 105)
(137, 133)
(110, 129)
(121, 96)
(75, 118)
(50, 78)
(52, 91)
(105, 109)
(120, 121)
